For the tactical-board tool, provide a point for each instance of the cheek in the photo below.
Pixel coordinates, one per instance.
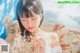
(24, 24)
(37, 22)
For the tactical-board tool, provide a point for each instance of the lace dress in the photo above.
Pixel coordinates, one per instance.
(38, 44)
(19, 45)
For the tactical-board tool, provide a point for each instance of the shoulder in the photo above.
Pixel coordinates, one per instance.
(50, 35)
(52, 39)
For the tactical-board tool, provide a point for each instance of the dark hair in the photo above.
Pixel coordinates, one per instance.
(27, 6)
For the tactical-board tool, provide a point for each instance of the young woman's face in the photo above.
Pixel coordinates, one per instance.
(32, 23)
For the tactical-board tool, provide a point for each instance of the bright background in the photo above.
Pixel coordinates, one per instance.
(64, 14)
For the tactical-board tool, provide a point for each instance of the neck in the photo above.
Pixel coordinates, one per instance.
(35, 32)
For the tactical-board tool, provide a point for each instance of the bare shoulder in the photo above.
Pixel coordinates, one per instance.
(52, 38)
(50, 35)
(53, 35)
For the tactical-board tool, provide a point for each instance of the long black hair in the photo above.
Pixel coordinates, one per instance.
(27, 6)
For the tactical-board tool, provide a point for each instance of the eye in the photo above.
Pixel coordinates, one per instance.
(33, 18)
(23, 19)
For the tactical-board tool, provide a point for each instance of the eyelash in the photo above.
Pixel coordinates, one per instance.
(25, 19)
(34, 19)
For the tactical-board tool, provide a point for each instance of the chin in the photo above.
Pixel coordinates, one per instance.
(31, 31)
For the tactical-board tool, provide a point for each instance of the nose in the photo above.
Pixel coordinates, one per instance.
(29, 21)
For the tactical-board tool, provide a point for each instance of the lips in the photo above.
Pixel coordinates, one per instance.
(30, 27)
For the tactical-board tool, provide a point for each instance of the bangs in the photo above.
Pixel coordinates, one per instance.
(27, 10)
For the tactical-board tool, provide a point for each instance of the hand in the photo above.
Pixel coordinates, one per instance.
(39, 45)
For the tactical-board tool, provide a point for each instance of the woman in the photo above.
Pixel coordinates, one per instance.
(32, 39)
